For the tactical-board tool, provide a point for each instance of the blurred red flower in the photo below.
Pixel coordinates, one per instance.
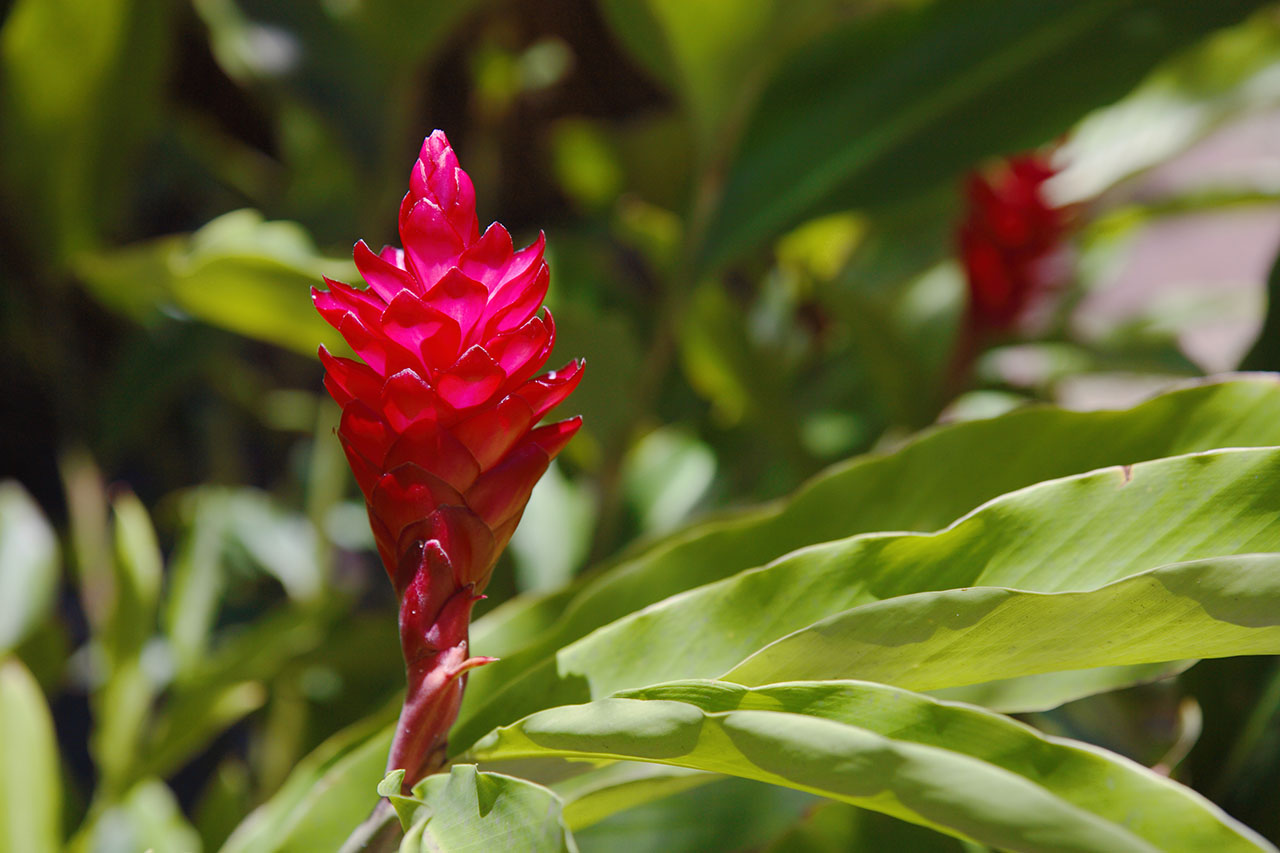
(1010, 242)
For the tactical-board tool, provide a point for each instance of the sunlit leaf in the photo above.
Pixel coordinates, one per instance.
(330, 791)
(238, 273)
(951, 767)
(1076, 533)
(29, 565)
(922, 486)
(465, 811)
(30, 782)
(1208, 608)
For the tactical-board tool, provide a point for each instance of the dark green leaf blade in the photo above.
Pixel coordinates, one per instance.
(892, 104)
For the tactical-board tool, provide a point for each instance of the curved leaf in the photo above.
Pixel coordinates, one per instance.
(466, 811)
(29, 565)
(1077, 533)
(1203, 609)
(922, 486)
(30, 788)
(325, 797)
(237, 272)
(956, 768)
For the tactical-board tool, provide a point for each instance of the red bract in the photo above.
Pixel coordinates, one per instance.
(439, 422)
(1008, 241)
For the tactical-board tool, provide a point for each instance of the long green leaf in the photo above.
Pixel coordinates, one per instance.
(1077, 533)
(29, 565)
(30, 788)
(896, 103)
(238, 272)
(326, 796)
(728, 814)
(952, 767)
(82, 85)
(122, 703)
(1208, 608)
(923, 486)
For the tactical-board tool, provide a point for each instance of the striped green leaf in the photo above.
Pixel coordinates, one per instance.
(922, 486)
(952, 767)
(1072, 534)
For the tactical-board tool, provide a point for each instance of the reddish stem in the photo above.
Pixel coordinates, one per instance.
(436, 666)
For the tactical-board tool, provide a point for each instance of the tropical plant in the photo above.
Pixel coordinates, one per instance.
(913, 505)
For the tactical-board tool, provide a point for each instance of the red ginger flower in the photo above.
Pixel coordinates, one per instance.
(1009, 241)
(438, 423)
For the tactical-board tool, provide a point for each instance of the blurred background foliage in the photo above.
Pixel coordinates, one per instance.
(750, 210)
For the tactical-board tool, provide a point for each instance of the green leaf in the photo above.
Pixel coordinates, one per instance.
(196, 581)
(238, 273)
(724, 365)
(138, 570)
(895, 103)
(837, 826)
(1265, 352)
(714, 55)
(603, 791)
(30, 787)
(83, 84)
(924, 485)
(282, 543)
(1185, 99)
(122, 703)
(29, 565)
(951, 767)
(148, 817)
(121, 709)
(191, 720)
(665, 475)
(1028, 693)
(330, 791)
(556, 534)
(471, 812)
(516, 622)
(726, 814)
(1209, 608)
(1076, 533)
